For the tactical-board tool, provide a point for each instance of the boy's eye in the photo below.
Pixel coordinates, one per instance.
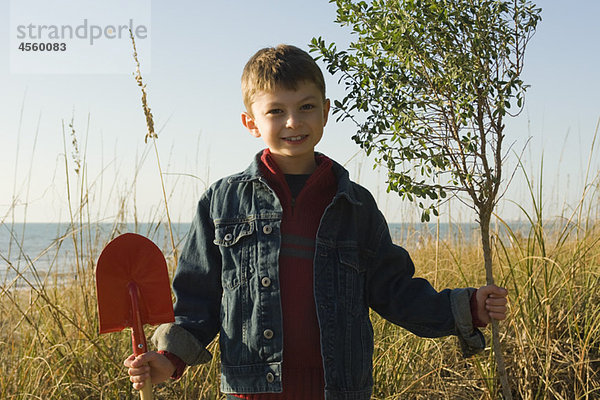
(307, 107)
(275, 111)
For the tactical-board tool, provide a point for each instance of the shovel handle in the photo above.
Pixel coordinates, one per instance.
(138, 339)
(146, 391)
(139, 347)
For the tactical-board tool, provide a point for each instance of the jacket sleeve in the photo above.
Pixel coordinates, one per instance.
(198, 290)
(410, 302)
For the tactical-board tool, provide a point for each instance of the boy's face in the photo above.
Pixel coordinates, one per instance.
(291, 124)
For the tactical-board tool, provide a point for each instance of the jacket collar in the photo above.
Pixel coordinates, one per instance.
(345, 187)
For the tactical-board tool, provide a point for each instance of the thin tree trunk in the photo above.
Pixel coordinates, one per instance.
(484, 223)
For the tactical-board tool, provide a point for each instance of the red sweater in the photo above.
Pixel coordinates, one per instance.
(302, 371)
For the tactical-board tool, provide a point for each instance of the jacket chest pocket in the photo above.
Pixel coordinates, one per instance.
(351, 279)
(237, 242)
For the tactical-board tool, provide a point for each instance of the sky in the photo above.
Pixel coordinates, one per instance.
(191, 62)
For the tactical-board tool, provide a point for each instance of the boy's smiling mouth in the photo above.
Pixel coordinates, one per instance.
(295, 138)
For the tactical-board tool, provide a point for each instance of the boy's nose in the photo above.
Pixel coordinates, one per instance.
(293, 121)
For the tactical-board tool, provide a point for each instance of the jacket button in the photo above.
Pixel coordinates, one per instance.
(266, 281)
(270, 377)
(268, 334)
(267, 229)
(228, 237)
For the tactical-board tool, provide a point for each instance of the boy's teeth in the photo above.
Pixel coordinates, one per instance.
(294, 138)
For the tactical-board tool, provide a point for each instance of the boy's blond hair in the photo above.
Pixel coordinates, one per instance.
(282, 66)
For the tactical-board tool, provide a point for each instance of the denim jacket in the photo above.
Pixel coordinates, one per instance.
(227, 283)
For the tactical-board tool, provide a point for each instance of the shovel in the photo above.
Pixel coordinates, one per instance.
(133, 289)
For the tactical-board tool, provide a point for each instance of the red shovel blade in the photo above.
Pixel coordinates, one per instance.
(132, 258)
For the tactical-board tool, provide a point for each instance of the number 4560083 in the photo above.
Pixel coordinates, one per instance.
(42, 46)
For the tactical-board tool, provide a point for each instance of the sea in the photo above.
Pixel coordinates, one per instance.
(34, 254)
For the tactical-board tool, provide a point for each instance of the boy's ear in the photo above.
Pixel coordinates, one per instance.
(326, 108)
(248, 122)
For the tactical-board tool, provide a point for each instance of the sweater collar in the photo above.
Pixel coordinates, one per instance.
(323, 163)
(322, 175)
(344, 185)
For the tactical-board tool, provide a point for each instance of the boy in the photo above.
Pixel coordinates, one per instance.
(285, 259)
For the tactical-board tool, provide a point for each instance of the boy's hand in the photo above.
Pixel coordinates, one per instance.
(148, 365)
(491, 303)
